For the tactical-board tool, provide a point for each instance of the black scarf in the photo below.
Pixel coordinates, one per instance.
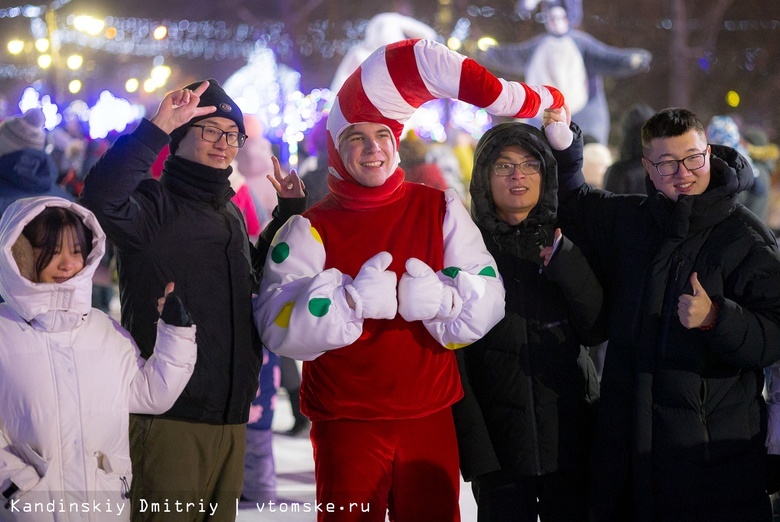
(197, 181)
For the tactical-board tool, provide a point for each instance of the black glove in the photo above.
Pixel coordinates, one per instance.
(174, 312)
(8, 493)
(532, 240)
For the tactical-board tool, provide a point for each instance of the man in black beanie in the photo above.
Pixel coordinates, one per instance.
(185, 229)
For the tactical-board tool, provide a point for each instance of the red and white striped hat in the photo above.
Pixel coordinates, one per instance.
(399, 77)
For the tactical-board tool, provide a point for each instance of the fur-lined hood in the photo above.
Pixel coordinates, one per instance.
(44, 302)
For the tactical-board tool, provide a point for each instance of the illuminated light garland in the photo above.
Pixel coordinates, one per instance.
(209, 39)
(31, 11)
(10, 71)
(218, 40)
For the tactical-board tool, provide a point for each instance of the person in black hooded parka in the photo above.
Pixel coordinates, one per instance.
(692, 284)
(524, 424)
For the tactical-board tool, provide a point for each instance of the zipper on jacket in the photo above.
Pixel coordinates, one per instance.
(530, 384)
(125, 489)
(703, 417)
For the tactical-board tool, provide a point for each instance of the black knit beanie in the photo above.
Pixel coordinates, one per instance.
(216, 96)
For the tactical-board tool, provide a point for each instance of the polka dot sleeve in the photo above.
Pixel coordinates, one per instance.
(301, 310)
(472, 272)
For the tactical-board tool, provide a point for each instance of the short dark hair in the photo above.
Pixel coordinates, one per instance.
(45, 231)
(669, 123)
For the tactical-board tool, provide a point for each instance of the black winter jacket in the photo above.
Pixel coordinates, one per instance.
(682, 421)
(526, 406)
(169, 230)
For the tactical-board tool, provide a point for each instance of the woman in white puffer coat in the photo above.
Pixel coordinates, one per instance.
(70, 374)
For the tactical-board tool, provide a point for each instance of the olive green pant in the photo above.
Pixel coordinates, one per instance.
(185, 471)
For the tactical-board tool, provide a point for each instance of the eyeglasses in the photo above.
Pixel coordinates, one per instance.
(527, 167)
(671, 167)
(213, 135)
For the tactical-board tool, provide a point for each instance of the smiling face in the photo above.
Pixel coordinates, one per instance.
(515, 195)
(217, 155)
(368, 153)
(67, 261)
(688, 182)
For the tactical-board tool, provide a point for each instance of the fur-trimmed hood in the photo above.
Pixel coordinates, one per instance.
(44, 302)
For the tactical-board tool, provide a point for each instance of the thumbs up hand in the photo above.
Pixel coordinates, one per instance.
(697, 310)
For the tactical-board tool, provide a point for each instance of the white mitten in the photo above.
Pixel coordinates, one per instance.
(559, 135)
(421, 295)
(374, 289)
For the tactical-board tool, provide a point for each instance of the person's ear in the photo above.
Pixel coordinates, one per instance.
(647, 165)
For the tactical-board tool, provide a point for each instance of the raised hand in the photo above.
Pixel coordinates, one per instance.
(556, 115)
(290, 186)
(171, 308)
(169, 288)
(548, 251)
(697, 310)
(179, 107)
(556, 127)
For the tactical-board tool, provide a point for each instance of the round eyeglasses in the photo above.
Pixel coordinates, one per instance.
(671, 167)
(213, 135)
(527, 167)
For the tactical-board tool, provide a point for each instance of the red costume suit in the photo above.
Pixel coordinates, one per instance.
(379, 390)
(394, 369)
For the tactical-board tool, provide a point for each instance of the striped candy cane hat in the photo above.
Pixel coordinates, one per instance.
(397, 78)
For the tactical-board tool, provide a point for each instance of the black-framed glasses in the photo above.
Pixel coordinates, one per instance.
(527, 167)
(213, 135)
(671, 167)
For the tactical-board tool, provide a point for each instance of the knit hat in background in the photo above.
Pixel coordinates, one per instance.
(397, 78)
(23, 132)
(216, 96)
(723, 130)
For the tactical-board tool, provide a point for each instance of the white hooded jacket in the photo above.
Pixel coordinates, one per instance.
(70, 377)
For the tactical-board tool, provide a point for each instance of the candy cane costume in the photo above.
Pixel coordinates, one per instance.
(398, 374)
